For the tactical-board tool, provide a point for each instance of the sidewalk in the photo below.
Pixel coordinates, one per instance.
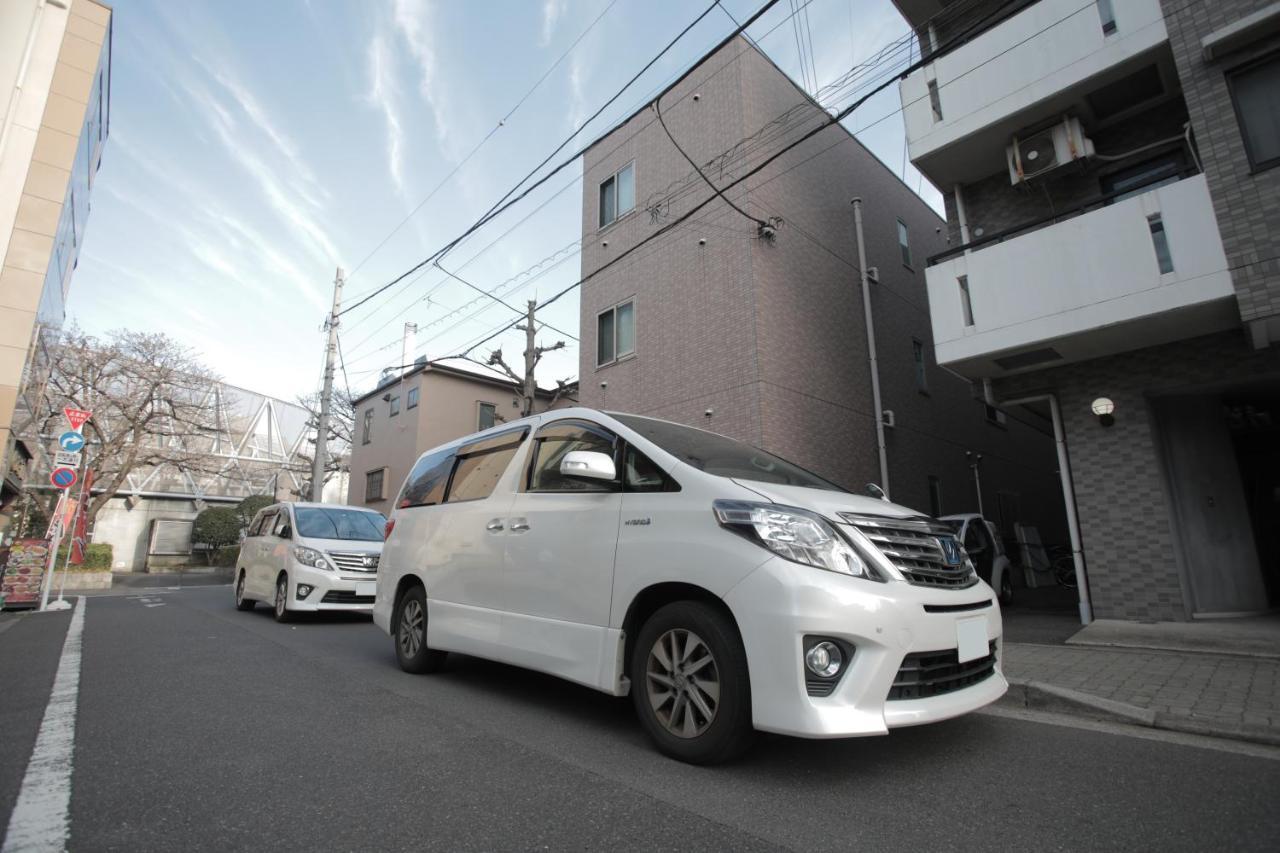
(1152, 675)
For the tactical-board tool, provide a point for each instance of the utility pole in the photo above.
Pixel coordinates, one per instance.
(532, 355)
(326, 393)
(877, 408)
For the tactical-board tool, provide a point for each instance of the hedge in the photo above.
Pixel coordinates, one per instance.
(226, 557)
(98, 557)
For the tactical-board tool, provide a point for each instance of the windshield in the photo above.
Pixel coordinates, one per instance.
(722, 456)
(335, 523)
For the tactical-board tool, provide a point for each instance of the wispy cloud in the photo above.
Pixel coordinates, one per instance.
(552, 12)
(383, 94)
(416, 23)
(577, 97)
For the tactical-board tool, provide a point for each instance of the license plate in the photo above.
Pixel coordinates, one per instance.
(971, 638)
(366, 589)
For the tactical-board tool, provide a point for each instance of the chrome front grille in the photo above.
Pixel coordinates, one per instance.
(915, 548)
(355, 561)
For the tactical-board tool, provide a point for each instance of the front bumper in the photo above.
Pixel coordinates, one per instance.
(345, 591)
(782, 602)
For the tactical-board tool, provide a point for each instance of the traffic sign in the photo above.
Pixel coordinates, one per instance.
(76, 417)
(71, 441)
(62, 457)
(63, 478)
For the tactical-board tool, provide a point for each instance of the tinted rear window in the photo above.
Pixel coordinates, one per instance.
(723, 456)
(426, 482)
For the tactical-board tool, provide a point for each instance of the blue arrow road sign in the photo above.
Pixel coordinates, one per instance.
(71, 441)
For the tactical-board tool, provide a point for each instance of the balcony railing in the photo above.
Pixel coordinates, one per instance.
(1055, 217)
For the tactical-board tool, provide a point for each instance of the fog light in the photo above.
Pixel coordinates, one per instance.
(304, 590)
(824, 659)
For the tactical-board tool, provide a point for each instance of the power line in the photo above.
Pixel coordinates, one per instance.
(501, 123)
(501, 302)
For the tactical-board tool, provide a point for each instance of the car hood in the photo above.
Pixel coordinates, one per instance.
(827, 502)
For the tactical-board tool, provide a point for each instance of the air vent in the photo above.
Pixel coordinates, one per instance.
(1028, 358)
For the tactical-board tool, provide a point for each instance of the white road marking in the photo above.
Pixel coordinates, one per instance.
(156, 604)
(41, 817)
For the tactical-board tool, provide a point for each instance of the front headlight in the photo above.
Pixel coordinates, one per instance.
(795, 534)
(311, 557)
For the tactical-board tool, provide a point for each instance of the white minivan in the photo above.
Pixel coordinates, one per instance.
(725, 589)
(306, 556)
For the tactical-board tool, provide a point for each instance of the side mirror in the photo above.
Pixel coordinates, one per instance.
(876, 492)
(588, 465)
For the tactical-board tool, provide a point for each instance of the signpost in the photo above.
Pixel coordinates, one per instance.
(63, 478)
(71, 441)
(76, 417)
(70, 460)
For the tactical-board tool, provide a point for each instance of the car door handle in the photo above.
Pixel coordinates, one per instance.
(519, 525)
(494, 526)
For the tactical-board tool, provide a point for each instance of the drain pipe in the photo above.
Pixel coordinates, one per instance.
(871, 349)
(1068, 497)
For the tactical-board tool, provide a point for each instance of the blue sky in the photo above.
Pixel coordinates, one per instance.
(256, 146)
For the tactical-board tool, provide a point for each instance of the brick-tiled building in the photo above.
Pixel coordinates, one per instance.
(760, 333)
(1112, 198)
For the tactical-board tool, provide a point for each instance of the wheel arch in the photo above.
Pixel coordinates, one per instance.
(407, 581)
(656, 596)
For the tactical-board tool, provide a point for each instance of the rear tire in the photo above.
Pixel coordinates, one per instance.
(242, 603)
(409, 633)
(690, 684)
(282, 613)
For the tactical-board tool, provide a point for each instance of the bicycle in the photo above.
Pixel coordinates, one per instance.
(1063, 565)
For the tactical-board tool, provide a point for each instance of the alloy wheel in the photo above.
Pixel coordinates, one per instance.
(282, 596)
(411, 628)
(240, 590)
(682, 682)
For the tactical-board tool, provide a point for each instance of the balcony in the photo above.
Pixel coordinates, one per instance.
(961, 110)
(1116, 275)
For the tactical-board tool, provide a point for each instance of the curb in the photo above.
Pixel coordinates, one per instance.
(1038, 696)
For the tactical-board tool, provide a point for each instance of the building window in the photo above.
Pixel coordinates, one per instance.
(615, 333)
(1161, 242)
(966, 302)
(367, 434)
(373, 485)
(935, 496)
(488, 415)
(1107, 16)
(1142, 178)
(394, 406)
(617, 194)
(917, 355)
(994, 415)
(904, 243)
(412, 401)
(935, 101)
(1255, 89)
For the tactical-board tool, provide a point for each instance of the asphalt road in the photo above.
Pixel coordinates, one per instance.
(202, 728)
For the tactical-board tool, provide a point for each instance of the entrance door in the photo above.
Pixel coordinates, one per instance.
(1212, 514)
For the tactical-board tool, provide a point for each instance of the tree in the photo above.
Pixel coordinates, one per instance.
(150, 400)
(525, 385)
(250, 506)
(342, 424)
(216, 528)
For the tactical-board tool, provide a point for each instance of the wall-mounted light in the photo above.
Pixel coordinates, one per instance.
(1103, 408)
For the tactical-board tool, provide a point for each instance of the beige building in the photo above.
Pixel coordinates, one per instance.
(55, 82)
(423, 408)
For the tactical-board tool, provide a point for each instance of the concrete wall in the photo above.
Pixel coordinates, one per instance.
(128, 530)
(770, 335)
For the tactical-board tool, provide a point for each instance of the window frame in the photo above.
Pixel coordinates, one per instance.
(411, 398)
(480, 404)
(1231, 74)
(512, 440)
(617, 357)
(966, 301)
(393, 406)
(526, 479)
(904, 244)
(366, 432)
(382, 484)
(920, 366)
(601, 225)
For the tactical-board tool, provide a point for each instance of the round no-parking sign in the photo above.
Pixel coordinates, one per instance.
(63, 478)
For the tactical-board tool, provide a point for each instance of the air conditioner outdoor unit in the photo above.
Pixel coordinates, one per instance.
(1047, 150)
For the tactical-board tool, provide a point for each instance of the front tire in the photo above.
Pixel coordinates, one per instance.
(690, 684)
(242, 603)
(410, 633)
(282, 613)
